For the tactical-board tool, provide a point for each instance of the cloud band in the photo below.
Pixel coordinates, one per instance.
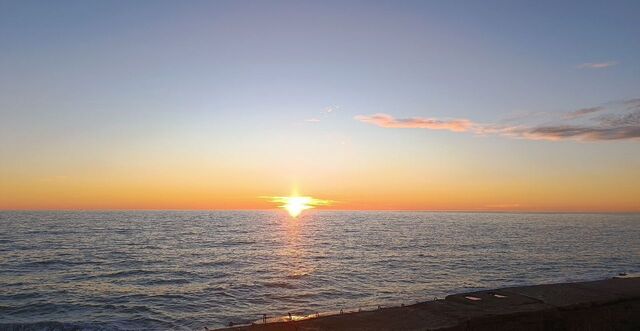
(606, 127)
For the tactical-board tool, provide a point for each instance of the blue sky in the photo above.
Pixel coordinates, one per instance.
(475, 60)
(98, 81)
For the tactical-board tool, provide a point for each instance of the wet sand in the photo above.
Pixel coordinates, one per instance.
(612, 304)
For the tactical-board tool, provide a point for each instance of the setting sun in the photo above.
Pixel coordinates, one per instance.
(295, 205)
(290, 165)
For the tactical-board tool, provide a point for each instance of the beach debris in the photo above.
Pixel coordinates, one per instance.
(472, 298)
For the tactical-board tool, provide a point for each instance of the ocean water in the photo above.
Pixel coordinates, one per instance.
(188, 270)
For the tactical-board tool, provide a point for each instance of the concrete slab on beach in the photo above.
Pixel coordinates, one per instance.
(612, 304)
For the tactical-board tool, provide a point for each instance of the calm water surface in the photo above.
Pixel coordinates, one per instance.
(187, 270)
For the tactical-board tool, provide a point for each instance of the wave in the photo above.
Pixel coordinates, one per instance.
(213, 264)
(51, 326)
(278, 285)
(53, 262)
(133, 324)
(170, 281)
(298, 275)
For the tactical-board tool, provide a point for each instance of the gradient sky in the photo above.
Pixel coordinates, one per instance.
(442, 105)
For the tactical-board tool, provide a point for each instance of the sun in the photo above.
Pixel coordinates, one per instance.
(295, 205)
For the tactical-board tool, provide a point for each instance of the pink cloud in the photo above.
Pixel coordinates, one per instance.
(388, 121)
(609, 126)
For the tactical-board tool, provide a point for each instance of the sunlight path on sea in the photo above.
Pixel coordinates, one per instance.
(190, 269)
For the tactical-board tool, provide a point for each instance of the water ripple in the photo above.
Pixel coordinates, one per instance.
(187, 270)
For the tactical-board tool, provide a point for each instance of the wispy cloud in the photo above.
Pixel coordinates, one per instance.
(597, 65)
(627, 119)
(633, 104)
(582, 112)
(327, 111)
(608, 126)
(331, 109)
(388, 121)
(309, 201)
(523, 115)
(583, 133)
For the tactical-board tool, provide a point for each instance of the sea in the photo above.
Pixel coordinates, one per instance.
(186, 270)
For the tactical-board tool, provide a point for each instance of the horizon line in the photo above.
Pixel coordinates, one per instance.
(503, 211)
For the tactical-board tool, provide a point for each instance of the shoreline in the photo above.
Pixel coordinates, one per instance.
(610, 304)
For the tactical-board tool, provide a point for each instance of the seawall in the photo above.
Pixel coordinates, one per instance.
(612, 304)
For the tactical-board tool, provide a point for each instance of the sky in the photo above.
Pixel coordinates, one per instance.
(425, 105)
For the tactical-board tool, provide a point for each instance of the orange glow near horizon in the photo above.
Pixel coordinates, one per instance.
(361, 109)
(454, 185)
